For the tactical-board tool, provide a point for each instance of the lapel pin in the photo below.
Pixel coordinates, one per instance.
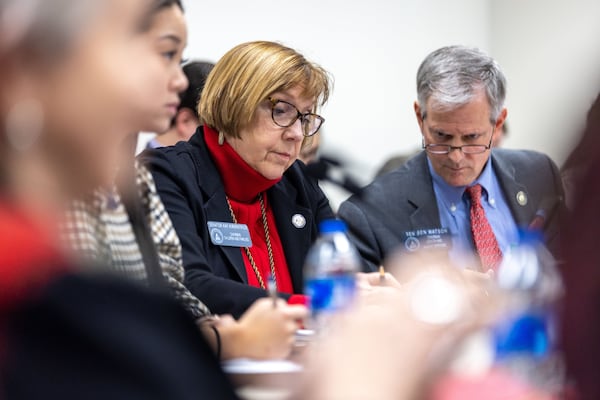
(522, 198)
(299, 221)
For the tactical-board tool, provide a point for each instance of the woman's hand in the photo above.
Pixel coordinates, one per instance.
(265, 331)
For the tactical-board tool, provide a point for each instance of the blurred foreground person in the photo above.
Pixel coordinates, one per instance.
(244, 210)
(186, 121)
(581, 319)
(399, 337)
(424, 335)
(580, 159)
(117, 230)
(66, 81)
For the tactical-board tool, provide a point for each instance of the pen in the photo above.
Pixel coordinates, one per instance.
(272, 289)
(381, 275)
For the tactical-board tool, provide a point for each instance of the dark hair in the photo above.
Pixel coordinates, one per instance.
(196, 72)
(157, 5)
(395, 162)
(160, 4)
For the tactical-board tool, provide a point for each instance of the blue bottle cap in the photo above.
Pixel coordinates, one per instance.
(332, 225)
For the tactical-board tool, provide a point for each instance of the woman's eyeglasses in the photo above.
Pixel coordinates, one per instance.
(284, 114)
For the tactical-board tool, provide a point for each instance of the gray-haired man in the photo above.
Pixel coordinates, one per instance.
(458, 194)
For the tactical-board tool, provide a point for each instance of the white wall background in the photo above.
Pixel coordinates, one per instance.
(549, 50)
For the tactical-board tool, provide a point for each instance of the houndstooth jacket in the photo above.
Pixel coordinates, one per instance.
(98, 229)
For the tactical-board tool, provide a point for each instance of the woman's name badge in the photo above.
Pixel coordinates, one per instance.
(228, 234)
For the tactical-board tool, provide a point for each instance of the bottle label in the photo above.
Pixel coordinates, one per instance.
(528, 333)
(332, 293)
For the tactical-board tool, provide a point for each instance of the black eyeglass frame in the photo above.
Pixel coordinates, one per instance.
(428, 147)
(299, 115)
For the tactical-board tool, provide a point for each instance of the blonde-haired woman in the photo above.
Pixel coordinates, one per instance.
(243, 208)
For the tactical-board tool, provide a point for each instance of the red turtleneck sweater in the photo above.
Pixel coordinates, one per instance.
(243, 185)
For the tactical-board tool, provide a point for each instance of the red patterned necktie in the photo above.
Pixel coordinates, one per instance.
(483, 235)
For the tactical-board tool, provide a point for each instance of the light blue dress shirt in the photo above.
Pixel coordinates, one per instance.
(454, 207)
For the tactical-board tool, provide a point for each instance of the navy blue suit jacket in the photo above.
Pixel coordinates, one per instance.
(404, 200)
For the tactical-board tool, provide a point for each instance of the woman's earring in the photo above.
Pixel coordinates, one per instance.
(24, 124)
(221, 138)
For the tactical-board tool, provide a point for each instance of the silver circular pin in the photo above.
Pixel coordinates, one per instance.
(299, 221)
(522, 198)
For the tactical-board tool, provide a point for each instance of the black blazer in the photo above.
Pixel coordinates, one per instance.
(191, 188)
(404, 200)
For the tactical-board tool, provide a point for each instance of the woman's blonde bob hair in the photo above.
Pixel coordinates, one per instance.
(247, 75)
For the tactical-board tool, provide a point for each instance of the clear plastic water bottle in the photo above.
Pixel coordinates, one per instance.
(526, 338)
(330, 272)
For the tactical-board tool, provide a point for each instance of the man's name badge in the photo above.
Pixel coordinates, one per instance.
(427, 239)
(228, 234)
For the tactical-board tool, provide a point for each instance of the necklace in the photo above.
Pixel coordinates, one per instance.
(263, 212)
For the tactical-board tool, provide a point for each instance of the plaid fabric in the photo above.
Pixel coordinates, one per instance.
(98, 228)
(167, 242)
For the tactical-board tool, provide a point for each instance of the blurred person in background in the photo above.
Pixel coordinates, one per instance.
(67, 86)
(394, 163)
(186, 121)
(310, 152)
(458, 194)
(118, 230)
(242, 207)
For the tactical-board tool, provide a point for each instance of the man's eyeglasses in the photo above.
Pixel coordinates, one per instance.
(440, 149)
(284, 114)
